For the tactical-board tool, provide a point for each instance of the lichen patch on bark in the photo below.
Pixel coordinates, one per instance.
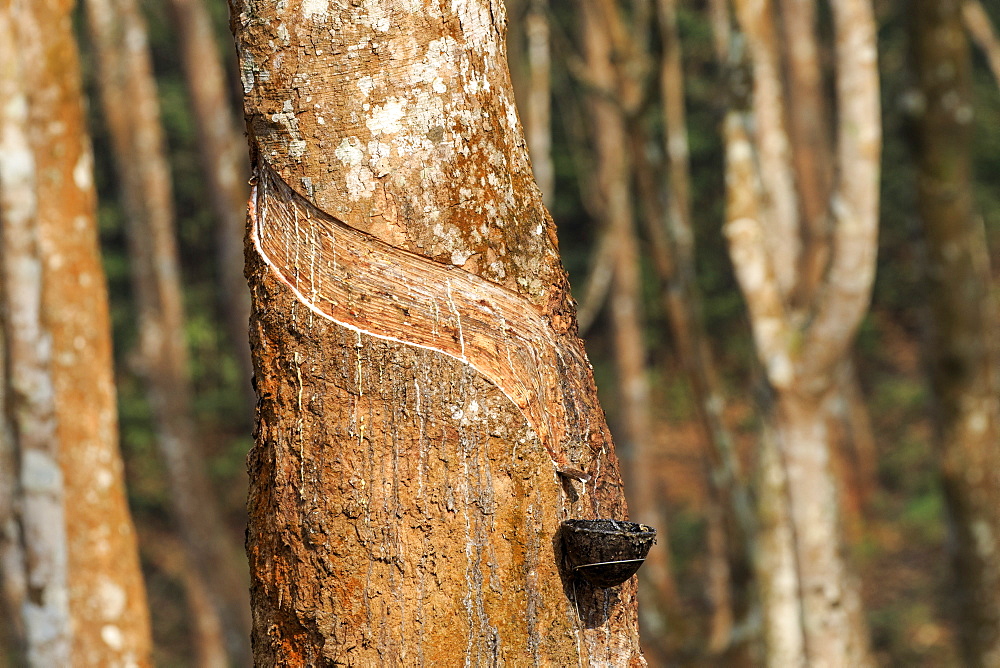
(425, 112)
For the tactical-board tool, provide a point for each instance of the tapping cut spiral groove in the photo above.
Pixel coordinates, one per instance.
(364, 284)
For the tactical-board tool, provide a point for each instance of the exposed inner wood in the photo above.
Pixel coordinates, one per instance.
(364, 284)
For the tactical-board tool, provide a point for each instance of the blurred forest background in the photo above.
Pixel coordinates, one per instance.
(901, 534)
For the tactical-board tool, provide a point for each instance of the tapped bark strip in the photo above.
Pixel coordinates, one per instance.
(362, 283)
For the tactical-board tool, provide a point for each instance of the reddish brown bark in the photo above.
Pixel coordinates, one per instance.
(404, 489)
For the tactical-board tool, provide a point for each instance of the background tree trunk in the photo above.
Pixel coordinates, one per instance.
(206, 636)
(538, 119)
(613, 173)
(802, 339)
(12, 585)
(529, 49)
(808, 135)
(810, 138)
(612, 100)
(129, 101)
(107, 598)
(404, 503)
(962, 349)
(672, 250)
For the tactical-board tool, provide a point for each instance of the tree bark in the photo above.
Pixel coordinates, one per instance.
(421, 387)
(31, 395)
(129, 101)
(962, 351)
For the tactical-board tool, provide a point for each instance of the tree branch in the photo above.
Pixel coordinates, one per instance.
(780, 204)
(845, 295)
(751, 260)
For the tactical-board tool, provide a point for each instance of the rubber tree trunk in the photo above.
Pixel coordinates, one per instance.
(131, 109)
(426, 413)
(962, 349)
(811, 158)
